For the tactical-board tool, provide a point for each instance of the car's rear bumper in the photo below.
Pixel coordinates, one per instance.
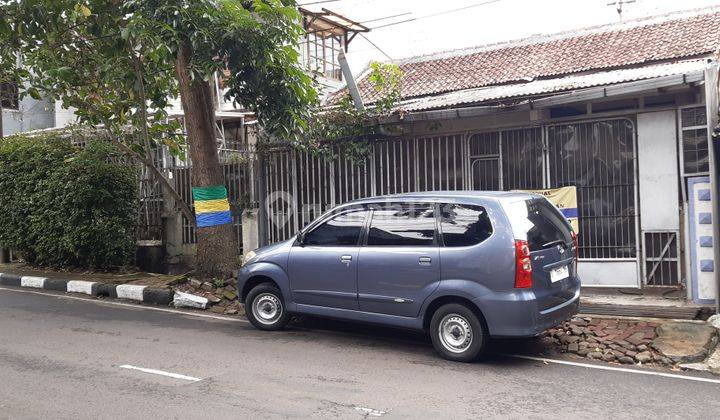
(519, 314)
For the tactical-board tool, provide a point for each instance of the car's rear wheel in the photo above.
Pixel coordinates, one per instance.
(457, 333)
(265, 308)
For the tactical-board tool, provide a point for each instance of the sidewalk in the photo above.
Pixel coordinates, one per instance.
(136, 278)
(648, 302)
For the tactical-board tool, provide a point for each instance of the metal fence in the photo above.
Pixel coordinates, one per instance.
(597, 157)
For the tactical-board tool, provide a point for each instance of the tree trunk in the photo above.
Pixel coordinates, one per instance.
(216, 244)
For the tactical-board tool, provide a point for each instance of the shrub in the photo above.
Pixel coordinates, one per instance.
(66, 207)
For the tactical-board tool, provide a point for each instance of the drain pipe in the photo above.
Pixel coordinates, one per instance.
(711, 104)
(350, 80)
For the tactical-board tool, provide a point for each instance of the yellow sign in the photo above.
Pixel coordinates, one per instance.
(565, 199)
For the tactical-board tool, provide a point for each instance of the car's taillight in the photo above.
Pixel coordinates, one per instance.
(523, 265)
(575, 247)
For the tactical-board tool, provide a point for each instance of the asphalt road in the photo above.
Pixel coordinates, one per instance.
(63, 358)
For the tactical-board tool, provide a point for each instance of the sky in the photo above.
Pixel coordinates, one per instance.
(498, 20)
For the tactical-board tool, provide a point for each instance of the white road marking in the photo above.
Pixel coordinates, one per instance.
(613, 368)
(162, 372)
(130, 305)
(79, 286)
(225, 318)
(32, 281)
(370, 411)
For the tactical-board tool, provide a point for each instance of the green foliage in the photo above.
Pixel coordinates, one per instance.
(102, 57)
(386, 80)
(351, 129)
(64, 207)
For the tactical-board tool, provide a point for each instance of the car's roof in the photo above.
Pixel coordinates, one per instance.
(453, 196)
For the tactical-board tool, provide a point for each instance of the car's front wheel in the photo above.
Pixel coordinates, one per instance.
(265, 308)
(457, 333)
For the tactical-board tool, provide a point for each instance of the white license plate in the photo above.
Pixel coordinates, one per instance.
(560, 273)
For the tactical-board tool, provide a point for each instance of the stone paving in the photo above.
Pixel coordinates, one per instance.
(221, 294)
(611, 340)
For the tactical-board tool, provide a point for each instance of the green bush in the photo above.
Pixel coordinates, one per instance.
(66, 207)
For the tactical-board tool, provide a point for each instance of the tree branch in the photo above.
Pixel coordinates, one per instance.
(184, 208)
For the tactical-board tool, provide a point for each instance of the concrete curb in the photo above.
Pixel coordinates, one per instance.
(122, 291)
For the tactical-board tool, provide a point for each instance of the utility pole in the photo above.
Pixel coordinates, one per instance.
(619, 6)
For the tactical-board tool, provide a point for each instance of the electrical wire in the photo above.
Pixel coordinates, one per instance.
(376, 47)
(437, 14)
(317, 2)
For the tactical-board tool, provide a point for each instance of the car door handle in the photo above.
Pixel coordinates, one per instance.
(424, 260)
(346, 259)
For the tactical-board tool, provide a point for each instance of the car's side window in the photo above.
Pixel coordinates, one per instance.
(464, 225)
(402, 225)
(341, 230)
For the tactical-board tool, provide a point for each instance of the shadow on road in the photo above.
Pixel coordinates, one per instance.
(398, 338)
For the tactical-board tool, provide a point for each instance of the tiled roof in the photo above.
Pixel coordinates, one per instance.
(631, 44)
(547, 86)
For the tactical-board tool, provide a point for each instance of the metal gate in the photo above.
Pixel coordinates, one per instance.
(597, 157)
(301, 186)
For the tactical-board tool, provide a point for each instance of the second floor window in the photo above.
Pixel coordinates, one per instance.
(320, 54)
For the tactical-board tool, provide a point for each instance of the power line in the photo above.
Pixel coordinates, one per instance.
(374, 45)
(437, 14)
(387, 17)
(317, 2)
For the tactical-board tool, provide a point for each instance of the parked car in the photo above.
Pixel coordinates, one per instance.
(464, 266)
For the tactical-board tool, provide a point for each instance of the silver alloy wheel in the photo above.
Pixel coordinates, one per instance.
(455, 333)
(267, 308)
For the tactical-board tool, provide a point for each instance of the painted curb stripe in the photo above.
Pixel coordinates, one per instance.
(32, 281)
(188, 300)
(213, 192)
(214, 219)
(78, 286)
(106, 289)
(55, 284)
(211, 206)
(157, 296)
(10, 280)
(130, 291)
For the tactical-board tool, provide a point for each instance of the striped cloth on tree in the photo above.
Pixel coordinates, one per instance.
(211, 206)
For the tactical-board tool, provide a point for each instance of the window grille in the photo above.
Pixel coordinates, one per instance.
(661, 258)
(693, 132)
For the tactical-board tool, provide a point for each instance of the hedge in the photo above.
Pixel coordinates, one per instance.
(62, 206)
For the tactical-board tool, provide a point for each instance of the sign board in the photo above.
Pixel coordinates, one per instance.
(565, 199)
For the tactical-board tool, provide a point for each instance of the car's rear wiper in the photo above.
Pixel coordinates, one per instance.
(551, 243)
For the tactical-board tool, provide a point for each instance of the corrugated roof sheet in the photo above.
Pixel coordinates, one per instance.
(632, 44)
(539, 87)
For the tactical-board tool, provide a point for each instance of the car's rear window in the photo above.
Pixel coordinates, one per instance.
(538, 222)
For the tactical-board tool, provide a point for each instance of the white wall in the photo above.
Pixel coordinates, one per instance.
(32, 115)
(658, 171)
(63, 116)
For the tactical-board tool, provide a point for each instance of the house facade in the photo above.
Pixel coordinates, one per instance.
(24, 114)
(620, 112)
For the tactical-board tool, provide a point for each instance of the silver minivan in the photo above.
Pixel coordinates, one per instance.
(464, 266)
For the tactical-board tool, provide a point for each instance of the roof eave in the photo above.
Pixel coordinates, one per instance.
(525, 103)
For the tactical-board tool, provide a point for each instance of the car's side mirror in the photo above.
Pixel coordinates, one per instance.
(301, 239)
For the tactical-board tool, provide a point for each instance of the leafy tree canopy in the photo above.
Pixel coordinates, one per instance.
(104, 57)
